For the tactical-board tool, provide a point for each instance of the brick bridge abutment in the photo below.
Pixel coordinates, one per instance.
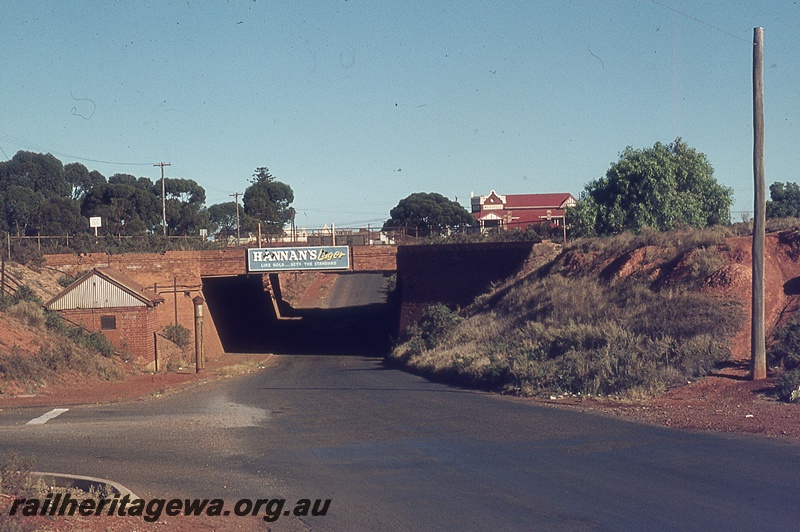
(178, 277)
(453, 274)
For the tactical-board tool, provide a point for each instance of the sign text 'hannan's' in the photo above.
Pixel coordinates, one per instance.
(305, 258)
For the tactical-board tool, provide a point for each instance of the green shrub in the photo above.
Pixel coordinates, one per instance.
(66, 356)
(391, 283)
(98, 342)
(23, 368)
(15, 475)
(94, 341)
(178, 334)
(26, 293)
(436, 321)
(788, 388)
(701, 263)
(66, 280)
(54, 322)
(785, 351)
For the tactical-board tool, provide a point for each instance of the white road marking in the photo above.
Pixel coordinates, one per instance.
(44, 418)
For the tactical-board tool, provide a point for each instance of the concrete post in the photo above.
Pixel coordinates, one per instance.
(155, 351)
(199, 357)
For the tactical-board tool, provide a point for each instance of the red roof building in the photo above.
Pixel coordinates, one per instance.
(518, 211)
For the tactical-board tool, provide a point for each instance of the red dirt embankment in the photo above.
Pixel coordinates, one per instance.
(727, 401)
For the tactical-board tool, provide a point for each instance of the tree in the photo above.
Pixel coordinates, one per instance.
(42, 173)
(428, 214)
(186, 214)
(129, 180)
(77, 175)
(267, 201)
(38, 194)
(22, 208)
(784, 200)
(223, 219)
(662, 187)
(61, 215)
(126, 207)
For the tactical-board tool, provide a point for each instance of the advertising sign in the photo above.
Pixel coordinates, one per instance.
(305, 258)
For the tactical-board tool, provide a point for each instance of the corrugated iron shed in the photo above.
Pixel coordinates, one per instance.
(103, 288)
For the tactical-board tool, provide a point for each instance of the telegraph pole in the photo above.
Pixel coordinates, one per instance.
(758, 355)
(163, 197)
(236, 195)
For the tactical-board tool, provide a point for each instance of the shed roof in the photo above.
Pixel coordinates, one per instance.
(102, 288)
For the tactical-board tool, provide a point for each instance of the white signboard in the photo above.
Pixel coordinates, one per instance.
(95, 221)
(305, 258)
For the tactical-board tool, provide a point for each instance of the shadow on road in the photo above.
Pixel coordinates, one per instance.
(247, 323)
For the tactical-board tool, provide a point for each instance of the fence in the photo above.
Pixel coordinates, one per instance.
(8, 283)
(24, 248)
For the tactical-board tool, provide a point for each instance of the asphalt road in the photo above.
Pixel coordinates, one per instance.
(396, 452)
(357, 290)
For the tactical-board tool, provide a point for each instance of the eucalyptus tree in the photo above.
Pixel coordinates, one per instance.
(427, 214)
(267, 201)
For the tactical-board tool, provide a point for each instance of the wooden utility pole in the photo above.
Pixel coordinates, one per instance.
(236, 199)
(175, 299)
(163, 197)
(758, 352)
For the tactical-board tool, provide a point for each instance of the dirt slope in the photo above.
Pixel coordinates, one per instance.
(725, 401)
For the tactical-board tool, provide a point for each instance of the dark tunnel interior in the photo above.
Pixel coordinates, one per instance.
(247, 322)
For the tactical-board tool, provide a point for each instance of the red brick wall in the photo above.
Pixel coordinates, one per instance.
(187, 268)
(453, 274)
(374, 258)
(193, 264)
(134, 332)
(163, 271)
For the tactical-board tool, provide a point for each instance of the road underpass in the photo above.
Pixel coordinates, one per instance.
(355, 319)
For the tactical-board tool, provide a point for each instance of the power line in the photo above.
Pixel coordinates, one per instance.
(30, 145)
(340, 211)
(701, 22)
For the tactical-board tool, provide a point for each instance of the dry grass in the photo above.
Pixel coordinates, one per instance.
(578, 334)
(27, 312)
(244, 368)
(674, 243)
(63, 349)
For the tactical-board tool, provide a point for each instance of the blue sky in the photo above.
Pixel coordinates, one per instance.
(356, 104)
